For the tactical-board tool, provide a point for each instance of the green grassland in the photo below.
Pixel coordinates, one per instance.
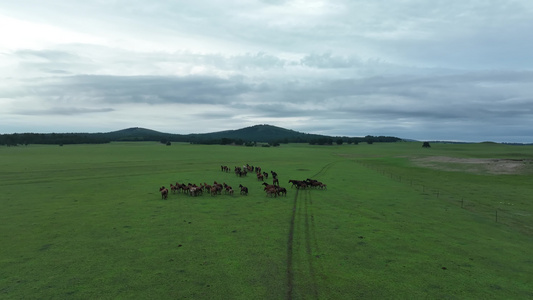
(88, 222)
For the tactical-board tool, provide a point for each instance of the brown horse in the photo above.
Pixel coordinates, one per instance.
(195, 190)
(174, 188)
(271, 192)
(164, 192)
(244, 190)
(281, 191)
(228, 188)
(214, 190)
(301, 185)
(268, 186)
(295, 183)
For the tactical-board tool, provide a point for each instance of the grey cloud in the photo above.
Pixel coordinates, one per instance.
(32, 63)
(468, 34)
(276, 109)
(259, 60)
(46, 55)
(327, 60)
(211, 116)
(63, 111)
(142, 89)
(483, 95)
(90, 59)
(59, 72)
(274, 2)
(463, 96)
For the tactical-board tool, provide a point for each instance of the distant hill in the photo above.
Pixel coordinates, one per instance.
(134, 134)
(257, 133)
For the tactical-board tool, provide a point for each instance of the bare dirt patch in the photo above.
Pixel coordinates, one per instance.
(476, 165)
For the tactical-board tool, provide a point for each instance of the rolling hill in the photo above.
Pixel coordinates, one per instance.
(258, 133)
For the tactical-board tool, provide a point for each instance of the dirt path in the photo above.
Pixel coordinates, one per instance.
(476, 165)
(302, 242)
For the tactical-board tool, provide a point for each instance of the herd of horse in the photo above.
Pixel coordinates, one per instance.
(197, 190)
(271, 190)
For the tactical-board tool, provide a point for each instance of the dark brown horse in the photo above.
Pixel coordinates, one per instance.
(164, 192)
(281, 191)
(271, 192)
(260, 177)
(230, 191)
(174, 188)
(244, 190)
(268, 186)
(214, 190)
(295, 183)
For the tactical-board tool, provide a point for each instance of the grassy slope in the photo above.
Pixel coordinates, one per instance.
(87, 222)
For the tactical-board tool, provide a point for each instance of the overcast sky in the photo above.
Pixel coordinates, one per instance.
(426, 70)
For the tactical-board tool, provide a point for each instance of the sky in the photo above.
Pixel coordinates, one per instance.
(414, 69)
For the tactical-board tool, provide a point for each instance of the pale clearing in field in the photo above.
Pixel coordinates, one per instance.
(476, 165)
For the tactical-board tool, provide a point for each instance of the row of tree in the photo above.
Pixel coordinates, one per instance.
(100, 138)
(51, 138)
(348, 140)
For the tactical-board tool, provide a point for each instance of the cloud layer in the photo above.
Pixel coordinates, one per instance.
(413, 69)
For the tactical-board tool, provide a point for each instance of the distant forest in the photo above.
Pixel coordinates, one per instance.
(250, 136)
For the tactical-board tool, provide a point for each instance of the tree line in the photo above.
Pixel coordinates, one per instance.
(354, 140)
(16, 139)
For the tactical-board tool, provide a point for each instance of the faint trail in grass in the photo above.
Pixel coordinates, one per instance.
(313, 227)
(314, 239)
(64, 178)
(290, 248)
(324, 169)
(303, 217)
(308, 247)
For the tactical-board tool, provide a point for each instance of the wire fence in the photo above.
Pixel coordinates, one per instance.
(503, 213)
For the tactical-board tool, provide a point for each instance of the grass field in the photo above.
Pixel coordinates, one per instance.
(88, 222)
